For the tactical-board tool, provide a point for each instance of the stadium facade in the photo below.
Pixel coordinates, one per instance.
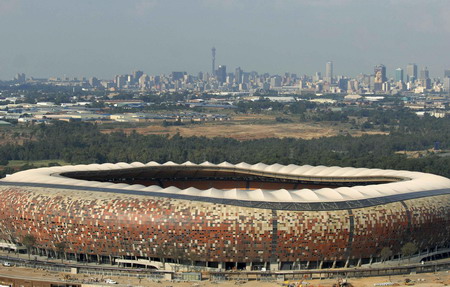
(225, 216)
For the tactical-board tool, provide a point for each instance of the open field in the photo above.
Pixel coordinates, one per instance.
(248, 131)
(241, 127)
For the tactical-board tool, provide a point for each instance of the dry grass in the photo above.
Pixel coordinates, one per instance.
(248, 131)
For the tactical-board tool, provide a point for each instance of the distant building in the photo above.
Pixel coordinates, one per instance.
(94, 82)
(379, 77)
(424, 74)
(137, 75)
(447, 84)
(238, 75)
(399, 75)
(177, 75)
(329, 72)
(144, 81)
(343, 84)
(380, 73)
(213, 52)
(425, 80)
(317, 77)
(446, 73)
(20, 78)
(120, 81)
(411, 72)
(275, 82)
(221, 73)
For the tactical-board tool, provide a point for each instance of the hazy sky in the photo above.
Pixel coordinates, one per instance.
(102, 38)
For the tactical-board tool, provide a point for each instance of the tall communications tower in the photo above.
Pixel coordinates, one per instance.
(213, 50)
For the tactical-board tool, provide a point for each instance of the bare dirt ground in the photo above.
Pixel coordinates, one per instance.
(441, 278)
(248, 131)
(239, 131)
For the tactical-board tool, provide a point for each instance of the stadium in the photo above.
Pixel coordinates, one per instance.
(224, 215)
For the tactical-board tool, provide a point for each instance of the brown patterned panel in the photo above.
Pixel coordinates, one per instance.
(118, 224)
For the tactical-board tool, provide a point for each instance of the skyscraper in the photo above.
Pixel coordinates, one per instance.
(380, 73)
(399, 75)
(446, 73)
(137, 75)
(20, 78)
(222, 73)
(94, 82)
(120, 81)
(379, 77)
(447, 85)
(275, 81)
(238, 75)
(317, 77)
(329, 72)
(213, 51)
(411, 72)
(424, 74)
(177, 75)
(425, 80)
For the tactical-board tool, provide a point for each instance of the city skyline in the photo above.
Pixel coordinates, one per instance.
(105, 38)
(410, 70)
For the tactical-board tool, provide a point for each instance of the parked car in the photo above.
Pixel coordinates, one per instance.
(110, 281)
(7, 264)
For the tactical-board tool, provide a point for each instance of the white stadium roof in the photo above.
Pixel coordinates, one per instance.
(403, 182)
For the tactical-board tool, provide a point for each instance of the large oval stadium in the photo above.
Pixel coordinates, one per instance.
(224, 215)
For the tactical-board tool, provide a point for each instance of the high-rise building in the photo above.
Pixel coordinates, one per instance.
(329, 72)
(425, 80)
(275, 81)
(343, 84)
(213, 51)
(446, 73)
(447, 84)
(130, 79)
(380, 73)
(317, 77)
(222, 73)
(137, 75)
(245, 78)
(238, 75)
(379, 77)
(399, 75)
(353, 86)
(411, 72)
(144, 81)
(120, 81)
(200, 76)
(424, 74)
(20, 78)
(94, 82)
(177, 75)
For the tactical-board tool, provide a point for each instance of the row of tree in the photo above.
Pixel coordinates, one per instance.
(85, 143)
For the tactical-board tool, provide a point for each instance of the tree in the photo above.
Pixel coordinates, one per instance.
(386, 253)
(60, 249)
(29, 241)
(409, 249)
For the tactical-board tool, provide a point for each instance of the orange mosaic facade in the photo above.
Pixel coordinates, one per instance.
(118, 225)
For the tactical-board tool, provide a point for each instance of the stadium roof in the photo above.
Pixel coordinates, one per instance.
(396, 184)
